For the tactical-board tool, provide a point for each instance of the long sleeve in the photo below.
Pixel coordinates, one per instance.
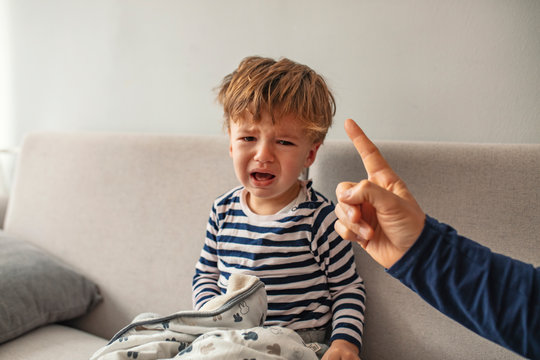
(205, 281)
(346, 287)
(491, 294)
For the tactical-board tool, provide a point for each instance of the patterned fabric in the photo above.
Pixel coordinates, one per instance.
(308, 270)
(231, 331)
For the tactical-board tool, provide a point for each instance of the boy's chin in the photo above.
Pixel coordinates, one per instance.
(271, 193)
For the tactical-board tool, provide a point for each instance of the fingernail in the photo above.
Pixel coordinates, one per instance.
(350, 214)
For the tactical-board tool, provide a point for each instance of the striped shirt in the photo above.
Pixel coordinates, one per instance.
(307, 268)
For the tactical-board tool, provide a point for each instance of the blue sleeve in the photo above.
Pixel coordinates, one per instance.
(491, 294)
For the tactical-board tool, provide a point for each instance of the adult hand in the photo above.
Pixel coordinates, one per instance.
(380, 213)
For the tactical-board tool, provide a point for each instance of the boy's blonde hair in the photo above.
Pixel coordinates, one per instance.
(280, 87)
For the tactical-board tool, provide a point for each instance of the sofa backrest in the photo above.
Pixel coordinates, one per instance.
(127, 211)
(490, 193)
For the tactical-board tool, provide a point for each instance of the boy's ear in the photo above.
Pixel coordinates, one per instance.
(310, 159)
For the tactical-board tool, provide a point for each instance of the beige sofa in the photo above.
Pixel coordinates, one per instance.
(128, 212)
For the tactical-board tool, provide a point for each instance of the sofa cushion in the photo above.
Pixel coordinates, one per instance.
(37, 289)
(52, 342)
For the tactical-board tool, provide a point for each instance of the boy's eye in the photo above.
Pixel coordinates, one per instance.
(285, 142)
(248, 138)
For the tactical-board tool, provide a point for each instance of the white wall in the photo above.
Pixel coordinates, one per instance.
(6, 118)
(406, 70)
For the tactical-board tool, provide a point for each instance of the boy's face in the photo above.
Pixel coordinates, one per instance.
(268, 159)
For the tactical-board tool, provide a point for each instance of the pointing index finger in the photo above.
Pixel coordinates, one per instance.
(376, 166)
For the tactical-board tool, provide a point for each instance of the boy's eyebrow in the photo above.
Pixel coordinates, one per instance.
(287, 135)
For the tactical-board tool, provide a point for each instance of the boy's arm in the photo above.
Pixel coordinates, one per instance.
(346, 287)
(205, 281)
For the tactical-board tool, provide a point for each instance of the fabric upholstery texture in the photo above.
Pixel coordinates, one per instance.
(127, 209)
(52, 342)
(38, 289)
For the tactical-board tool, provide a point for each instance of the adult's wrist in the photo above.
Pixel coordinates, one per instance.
(413, 254)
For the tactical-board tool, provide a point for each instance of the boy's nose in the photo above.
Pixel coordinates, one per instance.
(264, 153)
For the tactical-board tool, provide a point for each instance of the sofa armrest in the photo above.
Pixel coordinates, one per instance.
(7, 156)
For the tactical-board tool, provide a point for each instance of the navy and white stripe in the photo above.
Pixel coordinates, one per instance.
(308, 270)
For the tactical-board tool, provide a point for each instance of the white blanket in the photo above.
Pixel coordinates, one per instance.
(227, 327)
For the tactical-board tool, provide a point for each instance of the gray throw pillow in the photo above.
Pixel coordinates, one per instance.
(37, 289)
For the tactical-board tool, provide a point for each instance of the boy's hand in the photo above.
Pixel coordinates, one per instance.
(341, 350)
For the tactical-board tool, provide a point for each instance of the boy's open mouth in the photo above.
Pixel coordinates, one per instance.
(260, 176)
